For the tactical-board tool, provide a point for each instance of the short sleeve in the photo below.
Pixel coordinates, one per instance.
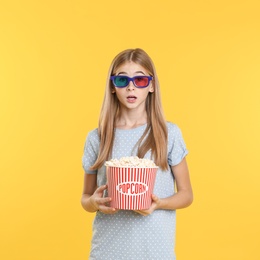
(176, 145)
(91, 149)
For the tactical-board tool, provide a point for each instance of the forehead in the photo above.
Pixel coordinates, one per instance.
(131, 68)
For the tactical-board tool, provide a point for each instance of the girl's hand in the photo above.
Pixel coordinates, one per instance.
(100, 203)
(155, 205)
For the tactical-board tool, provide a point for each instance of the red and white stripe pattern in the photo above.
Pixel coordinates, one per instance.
(130, 187)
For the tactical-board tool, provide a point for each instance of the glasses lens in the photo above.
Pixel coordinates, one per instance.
(121, 81)
(141, 82)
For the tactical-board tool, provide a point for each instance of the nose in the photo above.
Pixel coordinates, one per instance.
(130, 86)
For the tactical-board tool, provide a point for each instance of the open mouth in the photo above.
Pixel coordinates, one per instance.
(131, 98)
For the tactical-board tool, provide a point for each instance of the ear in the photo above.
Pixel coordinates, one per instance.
(113, 90)
(151, 88)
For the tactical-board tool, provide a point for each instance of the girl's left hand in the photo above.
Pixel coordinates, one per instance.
(155, 205)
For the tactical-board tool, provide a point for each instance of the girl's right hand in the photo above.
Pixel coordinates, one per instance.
(100, 203)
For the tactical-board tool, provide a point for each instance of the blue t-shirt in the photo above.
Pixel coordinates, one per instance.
(127, 235)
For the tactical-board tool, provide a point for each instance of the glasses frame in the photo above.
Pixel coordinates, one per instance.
(131, 79)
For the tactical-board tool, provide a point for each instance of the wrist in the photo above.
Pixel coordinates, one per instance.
(92, 205)
(88, 203)
(160, 203)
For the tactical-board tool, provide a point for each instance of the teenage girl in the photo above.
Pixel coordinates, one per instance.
(132, 123)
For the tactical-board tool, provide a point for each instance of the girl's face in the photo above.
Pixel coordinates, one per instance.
(131, 97)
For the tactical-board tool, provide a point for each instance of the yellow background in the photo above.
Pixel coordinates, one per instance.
(54, 58)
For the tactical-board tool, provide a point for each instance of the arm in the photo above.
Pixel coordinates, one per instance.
(184, 196)
(92, 197)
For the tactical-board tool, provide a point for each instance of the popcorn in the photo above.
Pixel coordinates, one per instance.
(130, 182)
(132, 161)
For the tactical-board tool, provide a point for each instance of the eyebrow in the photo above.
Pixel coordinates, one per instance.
(126, 73)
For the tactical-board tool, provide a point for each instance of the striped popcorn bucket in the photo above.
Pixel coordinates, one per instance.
(130, 187)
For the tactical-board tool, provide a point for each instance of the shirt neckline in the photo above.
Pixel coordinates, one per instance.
(131, 129)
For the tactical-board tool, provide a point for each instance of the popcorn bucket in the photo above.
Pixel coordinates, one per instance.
(130, 187)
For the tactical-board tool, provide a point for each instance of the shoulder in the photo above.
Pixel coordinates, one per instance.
(93, 134)
(92, 142)
(174, 132)
(172, 128)
(93, 137)
(176, 144)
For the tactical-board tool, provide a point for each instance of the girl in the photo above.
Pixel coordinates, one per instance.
(132, 123)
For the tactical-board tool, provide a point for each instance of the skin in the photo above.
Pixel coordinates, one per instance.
(133, 114)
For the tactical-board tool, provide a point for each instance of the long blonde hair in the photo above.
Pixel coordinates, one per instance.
(155, 135)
